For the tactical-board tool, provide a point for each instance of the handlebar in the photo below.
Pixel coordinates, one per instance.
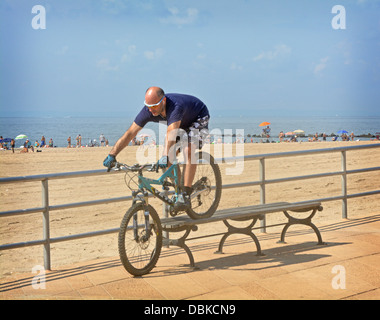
(117, 166)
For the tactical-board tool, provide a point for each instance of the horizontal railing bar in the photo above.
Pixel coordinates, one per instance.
(55, 176)
(298, 153)
(22, 244)
(62, 239)
(88, 203)
(84, 235)
(21, 211)
(349, 196)
(295, 153)
(363, 170)
(311, 176)
(363, 194)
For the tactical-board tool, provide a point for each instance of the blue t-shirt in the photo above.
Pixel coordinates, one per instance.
(179, 107)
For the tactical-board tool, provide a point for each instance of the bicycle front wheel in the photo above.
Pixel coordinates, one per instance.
(140, 239)
(207, 187)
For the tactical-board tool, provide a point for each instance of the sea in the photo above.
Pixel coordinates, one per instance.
(90, 128)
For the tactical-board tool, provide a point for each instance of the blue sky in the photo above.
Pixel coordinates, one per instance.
(242, 58)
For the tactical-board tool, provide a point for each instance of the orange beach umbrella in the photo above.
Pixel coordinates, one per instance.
(264, 124)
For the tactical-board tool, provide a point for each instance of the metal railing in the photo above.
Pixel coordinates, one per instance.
(46, 208)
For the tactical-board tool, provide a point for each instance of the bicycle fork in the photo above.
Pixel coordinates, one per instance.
(145, 234)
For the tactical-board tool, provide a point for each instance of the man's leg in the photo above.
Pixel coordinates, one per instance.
(188, 177)
(191, 166)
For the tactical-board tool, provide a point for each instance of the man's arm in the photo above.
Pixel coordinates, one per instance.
(125, 139)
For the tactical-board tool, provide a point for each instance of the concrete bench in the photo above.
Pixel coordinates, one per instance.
(254, 213)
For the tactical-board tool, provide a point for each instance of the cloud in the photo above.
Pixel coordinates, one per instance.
(279, 51)
(130, 52)
(179, 19)
(154, 55)
(104, 64)
(236, 67)
(63, 50)
(321, 65)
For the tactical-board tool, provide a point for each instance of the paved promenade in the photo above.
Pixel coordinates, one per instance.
(348, 267)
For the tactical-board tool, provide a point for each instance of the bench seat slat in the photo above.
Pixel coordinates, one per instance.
(241, 212)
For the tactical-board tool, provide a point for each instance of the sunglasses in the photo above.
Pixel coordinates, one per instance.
(153, 105)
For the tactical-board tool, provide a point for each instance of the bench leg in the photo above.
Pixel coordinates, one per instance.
(181, 243)
(306, 221)
(235, 230)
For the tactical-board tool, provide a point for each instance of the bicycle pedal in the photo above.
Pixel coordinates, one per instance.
(173, 213)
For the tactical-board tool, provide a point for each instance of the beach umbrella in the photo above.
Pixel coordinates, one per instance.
(21, 136)
(299, 132)
(290, 133)
(342, 131)
(263, 124)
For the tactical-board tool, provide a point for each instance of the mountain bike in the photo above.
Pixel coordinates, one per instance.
(140, 235)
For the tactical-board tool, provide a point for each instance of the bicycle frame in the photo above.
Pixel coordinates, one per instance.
(172, 173)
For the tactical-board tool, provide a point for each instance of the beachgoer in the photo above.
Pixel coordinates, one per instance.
(51, 143)
(79, 140)
(28, 145)
(267, 131)
(43, 140)
(281, 136)
(36, 144)
(180, 112)
(69, 142)
(352, 136)
(102, 140)
(13, 145)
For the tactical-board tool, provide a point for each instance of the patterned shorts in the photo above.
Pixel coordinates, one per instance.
(197, 133)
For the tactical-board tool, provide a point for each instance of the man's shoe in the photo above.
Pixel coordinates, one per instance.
(183, 202)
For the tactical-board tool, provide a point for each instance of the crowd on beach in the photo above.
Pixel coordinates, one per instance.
(27, 144)
(91, 142)
(294, 136)
(264, 137)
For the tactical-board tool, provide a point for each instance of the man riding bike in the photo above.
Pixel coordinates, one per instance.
(187, 119)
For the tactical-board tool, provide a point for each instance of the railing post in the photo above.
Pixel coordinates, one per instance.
(165, 214)
(262, 192)
(344, 184)
(46, 224)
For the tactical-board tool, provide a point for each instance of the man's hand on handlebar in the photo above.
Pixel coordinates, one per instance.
(162, 163)
(109, 162)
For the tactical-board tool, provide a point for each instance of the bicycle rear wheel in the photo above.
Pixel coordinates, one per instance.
(140, 239)
(207, 187)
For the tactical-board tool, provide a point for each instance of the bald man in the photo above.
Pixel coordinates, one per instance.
(187, 119)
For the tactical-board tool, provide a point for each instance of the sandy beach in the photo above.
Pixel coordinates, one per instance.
(100, 217)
